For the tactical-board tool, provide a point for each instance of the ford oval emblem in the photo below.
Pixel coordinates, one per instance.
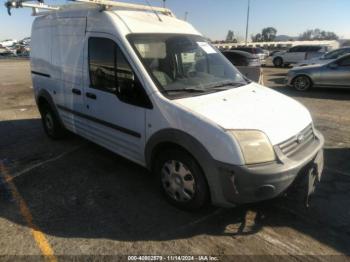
(300, 138)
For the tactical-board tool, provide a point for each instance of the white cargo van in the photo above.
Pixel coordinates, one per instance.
(150, 88)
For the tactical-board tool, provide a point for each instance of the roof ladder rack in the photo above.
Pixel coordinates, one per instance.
(35, 6)
(104, 4)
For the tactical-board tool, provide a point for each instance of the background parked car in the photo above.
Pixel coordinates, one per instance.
(4, 53)
(333, 74)
(326, 58)
(8, 42)
(25, 41)
(248, 64)
(297, 54)
(255, 51)
(272, 53)
(267, 52)
(241, 58)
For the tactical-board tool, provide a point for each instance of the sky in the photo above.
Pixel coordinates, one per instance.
(214, 18)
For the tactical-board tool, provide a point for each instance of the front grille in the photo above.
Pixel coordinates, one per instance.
(295, 143)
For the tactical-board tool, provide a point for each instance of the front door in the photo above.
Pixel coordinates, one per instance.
(337, 73)
(115, 100)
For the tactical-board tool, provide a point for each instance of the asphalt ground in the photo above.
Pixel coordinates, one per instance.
(73, 200)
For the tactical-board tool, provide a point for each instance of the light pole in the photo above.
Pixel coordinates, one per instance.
(186, 15)
(247, 27)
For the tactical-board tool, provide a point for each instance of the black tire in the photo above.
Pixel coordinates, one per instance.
(51, 123)
(200, 196)
(302, 83)
(278, 62)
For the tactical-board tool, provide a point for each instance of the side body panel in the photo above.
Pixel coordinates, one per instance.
(41, 67)
(337, 77)
(293, 57)
(67, 59)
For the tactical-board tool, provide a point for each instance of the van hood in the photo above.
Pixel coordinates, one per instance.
(252, 107)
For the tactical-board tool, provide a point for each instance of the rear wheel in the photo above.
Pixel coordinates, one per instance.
(302, 83)
(278, 62)
(52, 126)
(181, 179)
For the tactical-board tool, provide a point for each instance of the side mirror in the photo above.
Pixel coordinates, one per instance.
(333, 66)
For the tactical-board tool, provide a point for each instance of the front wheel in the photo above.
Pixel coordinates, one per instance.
(181, 179)
(302, 83)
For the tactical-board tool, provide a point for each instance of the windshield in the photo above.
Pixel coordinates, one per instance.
(185, 64)
(336, 53)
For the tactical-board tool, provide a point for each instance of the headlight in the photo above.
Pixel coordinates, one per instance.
(255, 146)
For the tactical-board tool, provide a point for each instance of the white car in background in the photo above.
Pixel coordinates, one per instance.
(297, 54)
(8, 43)
(326, 58)
(25, 41)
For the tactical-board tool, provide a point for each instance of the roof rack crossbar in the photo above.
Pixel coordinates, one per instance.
(109, 3)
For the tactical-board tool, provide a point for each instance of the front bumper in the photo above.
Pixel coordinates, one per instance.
(289, 80)
(247, 184)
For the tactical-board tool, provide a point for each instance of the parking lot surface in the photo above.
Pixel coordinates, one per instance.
(71, 197)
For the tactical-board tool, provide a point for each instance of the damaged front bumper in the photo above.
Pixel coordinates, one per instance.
(247, 184)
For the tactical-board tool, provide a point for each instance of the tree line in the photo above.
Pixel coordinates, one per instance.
(269, 34)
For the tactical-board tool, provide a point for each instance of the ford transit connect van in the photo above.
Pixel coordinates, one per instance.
(150, 88)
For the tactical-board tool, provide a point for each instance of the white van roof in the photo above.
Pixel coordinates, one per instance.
(127, 21)
(148, 22)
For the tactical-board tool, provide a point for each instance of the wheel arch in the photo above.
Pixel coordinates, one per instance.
(179, 139)
(174, 138)
(44, 97)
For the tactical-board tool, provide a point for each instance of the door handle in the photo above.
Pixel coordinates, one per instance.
(76, 91)
(91, 95)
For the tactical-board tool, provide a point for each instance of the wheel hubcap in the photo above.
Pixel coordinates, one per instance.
(178, 181)
(301, 83)
(49, 121)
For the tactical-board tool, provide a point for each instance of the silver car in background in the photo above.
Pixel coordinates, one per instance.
(333, 74)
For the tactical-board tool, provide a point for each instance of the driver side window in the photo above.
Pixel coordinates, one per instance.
(111, 72)
(344, 62)
(294, 49)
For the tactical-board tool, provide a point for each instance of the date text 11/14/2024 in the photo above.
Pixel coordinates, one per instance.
(173, 258)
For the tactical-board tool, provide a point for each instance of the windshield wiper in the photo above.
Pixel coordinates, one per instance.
(191, 90)
(234, 84)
